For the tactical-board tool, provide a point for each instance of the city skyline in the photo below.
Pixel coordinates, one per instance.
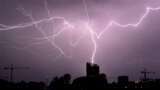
(54, 37)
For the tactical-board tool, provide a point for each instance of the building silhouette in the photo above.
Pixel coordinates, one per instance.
(92, 69)
(123, 79)
(92, 81)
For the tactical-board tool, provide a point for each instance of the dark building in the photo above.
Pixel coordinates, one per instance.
(122, 79)
(122, 82)
(93, 81)
(92, 69)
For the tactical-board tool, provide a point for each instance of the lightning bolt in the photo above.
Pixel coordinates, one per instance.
(36, 23)
(95, 35)
(67, 25)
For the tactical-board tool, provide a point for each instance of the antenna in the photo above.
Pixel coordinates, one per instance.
(145, 73)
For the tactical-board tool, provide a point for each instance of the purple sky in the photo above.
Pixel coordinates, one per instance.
(120, 51)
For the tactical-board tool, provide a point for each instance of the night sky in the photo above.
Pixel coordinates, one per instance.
(120, 51)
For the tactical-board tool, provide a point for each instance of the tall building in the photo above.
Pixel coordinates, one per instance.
(92, 81)
(92, 69)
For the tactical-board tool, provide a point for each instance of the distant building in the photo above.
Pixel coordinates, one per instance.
(122, 79)
(123, 82)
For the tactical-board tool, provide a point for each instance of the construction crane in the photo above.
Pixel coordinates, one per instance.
(12, 68)
(145, 72)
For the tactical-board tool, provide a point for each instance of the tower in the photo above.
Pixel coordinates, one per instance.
(92, 69)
